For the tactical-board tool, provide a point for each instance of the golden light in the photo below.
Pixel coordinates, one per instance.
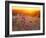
(31, 11)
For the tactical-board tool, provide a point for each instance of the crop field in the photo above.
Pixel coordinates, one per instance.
(25, 19)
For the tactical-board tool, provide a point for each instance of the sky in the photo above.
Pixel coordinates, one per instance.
(30, 11)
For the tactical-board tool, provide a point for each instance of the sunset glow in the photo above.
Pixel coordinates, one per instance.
(31, 11)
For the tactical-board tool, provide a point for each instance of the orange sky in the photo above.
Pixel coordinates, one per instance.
(31, 11)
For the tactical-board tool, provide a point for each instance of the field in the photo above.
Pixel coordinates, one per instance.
(25, 20)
